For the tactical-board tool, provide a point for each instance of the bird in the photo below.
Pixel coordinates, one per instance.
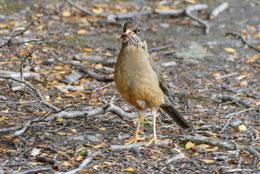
(140, 82)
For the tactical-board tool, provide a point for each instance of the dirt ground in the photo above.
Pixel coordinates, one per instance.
(64, 115)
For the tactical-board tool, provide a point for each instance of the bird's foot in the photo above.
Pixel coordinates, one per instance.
(152, 141)
(134, 139)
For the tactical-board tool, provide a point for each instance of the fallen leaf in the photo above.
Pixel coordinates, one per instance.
(35, 152)
(98, 146)
(203, 146)
(60, 119)
(253, 58)
(58, 68)
(82, 31)
(61, 133)
(97, 10)
(88, 49)
(216, 74)
(208, 161)
(108, 54)
(162, 7)
(128, 169)
(66, 164)
(102, 128)
(191, 1)
(243, 83)
(98, 66)
(189, 145)
(229, 50)
(66, 13)
(73, 130)
(241, 127)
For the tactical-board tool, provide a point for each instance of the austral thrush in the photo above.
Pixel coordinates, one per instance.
(140, 82)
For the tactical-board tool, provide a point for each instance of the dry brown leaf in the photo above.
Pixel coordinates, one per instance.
(60, 119)
(241, 127)
(97, 10)
(128, 169)
(229, 50)
(216, 74)
(203, 146)
(189, 145)
(253, 58)
(208, 161)
(66, 164)
(243, 83)
(98, 66)
(191, 1)
(82, 31)
(162, 7)
(88, 49)
(58, 68)
(66, 13)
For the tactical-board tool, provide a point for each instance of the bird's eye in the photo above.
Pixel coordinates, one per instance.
(138, 30)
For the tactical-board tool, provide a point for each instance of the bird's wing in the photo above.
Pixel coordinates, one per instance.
(162, 83)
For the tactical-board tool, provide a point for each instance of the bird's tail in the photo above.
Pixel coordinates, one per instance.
(175, 115)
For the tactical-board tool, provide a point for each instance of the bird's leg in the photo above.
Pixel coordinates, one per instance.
(154, 139)
(136, 137)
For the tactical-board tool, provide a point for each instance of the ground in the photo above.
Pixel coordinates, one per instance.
(65, 112)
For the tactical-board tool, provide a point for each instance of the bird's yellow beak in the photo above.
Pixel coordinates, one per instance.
(128, 31)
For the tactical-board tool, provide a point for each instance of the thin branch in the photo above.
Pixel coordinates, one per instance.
(86, 11)
(138, 145)
(97, 76)
(36, 90)
(216, 11)
(35, 170)
(237, 100)
(188, 11)
(9, 41)
(84, 163)
(201, 139)
(239, 36)
(120, 112)
(23, 62)
(230, 116)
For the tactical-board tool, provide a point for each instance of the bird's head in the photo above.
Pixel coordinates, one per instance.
(132, 33)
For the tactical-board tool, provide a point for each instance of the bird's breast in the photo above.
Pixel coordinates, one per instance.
(135, 78)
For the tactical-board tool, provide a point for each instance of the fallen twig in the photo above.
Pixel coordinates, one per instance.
(35, 170)
(69, 115)
(120, 112)
(239, 36)
(97, 76)
(86, 11)
(36, 90)
(85, 162)
(237, 100)
(22, 130)
(76, 114)
(201, 139)
(188, 11)
(23, 62)
(137, 145)
(9, 41)
(162, 47)
(230, 116)
(216, 11)
(16, 75)
(131, 15)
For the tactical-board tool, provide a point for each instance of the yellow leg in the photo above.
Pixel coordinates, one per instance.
(136, 137)
(154, 139)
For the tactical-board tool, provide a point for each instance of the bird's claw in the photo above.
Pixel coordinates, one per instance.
(134, 139)
(152, 141)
